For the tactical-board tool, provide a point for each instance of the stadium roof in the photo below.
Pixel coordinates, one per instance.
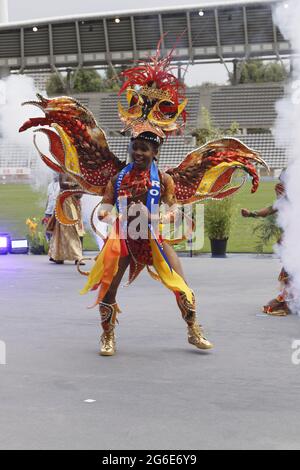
(140, 11)
(225, 31)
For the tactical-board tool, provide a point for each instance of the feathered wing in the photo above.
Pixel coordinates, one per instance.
(78, 146)
(208, 171)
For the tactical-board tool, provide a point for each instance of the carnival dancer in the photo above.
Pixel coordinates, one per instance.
(280, 305)
(143, 188)
(156, 110)
(66, 241)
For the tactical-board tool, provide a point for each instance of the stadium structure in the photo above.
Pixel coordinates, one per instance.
(219, 31)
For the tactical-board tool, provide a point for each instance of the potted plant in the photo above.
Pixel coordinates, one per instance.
(36, 237)
(266, 231)
(217, 220)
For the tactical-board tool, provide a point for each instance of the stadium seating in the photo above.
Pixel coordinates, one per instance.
(275, 156)
(252, 106)
(15, 161)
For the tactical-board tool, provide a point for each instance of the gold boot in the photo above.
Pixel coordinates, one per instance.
(196, 337)
(108, 347)
(108, 314)
(195, 332)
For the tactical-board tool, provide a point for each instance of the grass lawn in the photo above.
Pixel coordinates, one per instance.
(18, 202)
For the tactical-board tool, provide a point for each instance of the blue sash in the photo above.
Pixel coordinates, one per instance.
(119, 182)
(152, 200)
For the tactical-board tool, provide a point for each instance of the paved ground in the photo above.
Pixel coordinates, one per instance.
(157, 392)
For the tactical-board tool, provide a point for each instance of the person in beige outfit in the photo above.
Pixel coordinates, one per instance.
(66, 241)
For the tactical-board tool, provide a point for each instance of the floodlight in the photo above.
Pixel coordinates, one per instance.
(19, 246)
(4, 243)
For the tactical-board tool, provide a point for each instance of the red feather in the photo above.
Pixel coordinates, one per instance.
(158, 71)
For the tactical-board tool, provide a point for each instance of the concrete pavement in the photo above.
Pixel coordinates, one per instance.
(158, 391)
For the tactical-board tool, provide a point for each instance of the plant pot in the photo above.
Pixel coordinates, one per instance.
(37, 250)
(218, 248)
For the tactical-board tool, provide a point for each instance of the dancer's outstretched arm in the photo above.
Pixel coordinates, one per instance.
(265, 212)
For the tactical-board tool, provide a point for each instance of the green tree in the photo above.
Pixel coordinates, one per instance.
(256, 71)
(87, 81)
(80, 81)
(210, 132)
(55, 85)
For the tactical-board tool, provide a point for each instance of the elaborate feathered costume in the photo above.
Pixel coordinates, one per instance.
(156, 110)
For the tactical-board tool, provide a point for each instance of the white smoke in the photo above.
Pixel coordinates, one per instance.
(16, 89)
(287, 134)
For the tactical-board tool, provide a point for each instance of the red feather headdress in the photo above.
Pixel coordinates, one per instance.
(156, 97)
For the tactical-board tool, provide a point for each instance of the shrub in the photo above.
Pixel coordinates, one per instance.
(266, 231)
(218, 218)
